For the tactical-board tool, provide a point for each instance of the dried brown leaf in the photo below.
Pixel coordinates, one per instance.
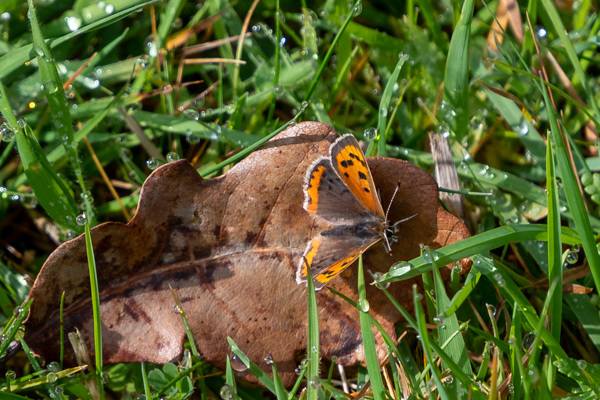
(229, 248)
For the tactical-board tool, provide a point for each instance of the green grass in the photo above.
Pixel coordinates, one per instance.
(389, 73)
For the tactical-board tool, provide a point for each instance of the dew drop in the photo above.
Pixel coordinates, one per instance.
(11, 375)
(280, 16)
(522, 129)
(527, 340)
(30, 202)
(191, 138)
(6, 133)
(572, 257)
(238, 364)
(357, 9)
(559, 182)
(17, 311)
(370, 133)
(258, 31)
(172, 156)
(401, 268)
(315, 382)
(54, 367)
(226, 392)
(541, 32)
(483, 169)
(51, 377)
(91, 83)
(152, 164)
(73, 23)
(50, 87)
(363, 305)
(192, 113)
(378, 276)
(151, 48)
(141, 61)
(81, 219)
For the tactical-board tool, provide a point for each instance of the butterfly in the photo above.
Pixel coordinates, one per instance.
(340, 189)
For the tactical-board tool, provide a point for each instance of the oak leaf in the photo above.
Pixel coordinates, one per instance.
(229, 247)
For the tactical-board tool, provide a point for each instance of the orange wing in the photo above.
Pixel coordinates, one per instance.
(328, 274)
(349, 161)
(331, 252)
(322, 269)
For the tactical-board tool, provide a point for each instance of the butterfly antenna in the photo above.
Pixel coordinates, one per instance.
(404, 220)
(392, 201)
(388, 246)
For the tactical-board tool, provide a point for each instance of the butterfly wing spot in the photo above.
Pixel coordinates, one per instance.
(331, 272)
(350, 163)
(348, 167)
(311, 189)
(309, 256)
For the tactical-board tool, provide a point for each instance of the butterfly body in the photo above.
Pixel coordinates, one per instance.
(340, 190)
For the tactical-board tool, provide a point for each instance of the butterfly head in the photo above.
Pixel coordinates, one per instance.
(390, 233)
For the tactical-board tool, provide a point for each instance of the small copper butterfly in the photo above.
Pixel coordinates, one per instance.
(340, 189)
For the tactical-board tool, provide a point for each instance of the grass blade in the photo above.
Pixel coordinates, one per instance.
(573, 195)
(312, 352)
(55, 94)
(384, 105)
(15, 59)
(95, 293)
(513, 292)
(448, 325)
(421, 326)
(332, 47)
(568, 45)
(368, 338)
(457, 69)
(52, 192)
(555, 268)
(256, 371)
(483, 242)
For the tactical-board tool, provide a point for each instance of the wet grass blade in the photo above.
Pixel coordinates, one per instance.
(456, 90)
(572, 54)
(555, 268)
(57, 102)
(312, 353)
(254, 369)
(368, 338)
(483, 242)
(53, 194)
(15, 59)
(573, 195)
(448, 325)
(511, 291)
(95, 294)
(384, 105)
